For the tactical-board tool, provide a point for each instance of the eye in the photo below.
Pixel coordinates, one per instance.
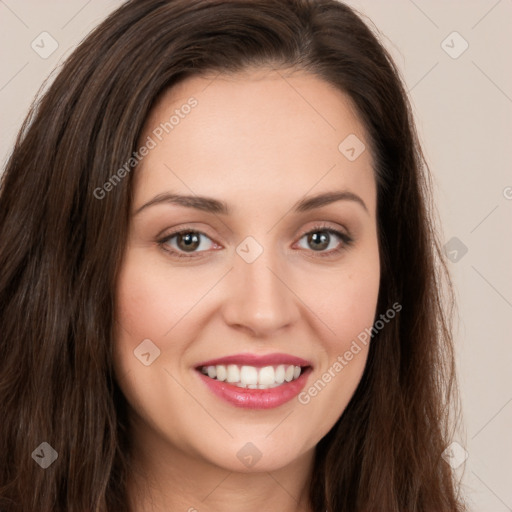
(186, 241)
(322, 240)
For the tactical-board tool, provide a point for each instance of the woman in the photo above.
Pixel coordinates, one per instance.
(221, 285)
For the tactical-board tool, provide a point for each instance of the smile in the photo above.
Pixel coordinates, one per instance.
(255, 382)
(252, 377)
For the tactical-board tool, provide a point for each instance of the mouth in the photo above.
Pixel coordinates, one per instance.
(255, 382)
(252, 377)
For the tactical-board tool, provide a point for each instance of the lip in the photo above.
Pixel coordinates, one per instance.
(257, 360)
(256, 398)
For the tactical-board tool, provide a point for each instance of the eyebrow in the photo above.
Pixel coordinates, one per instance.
(211, 205)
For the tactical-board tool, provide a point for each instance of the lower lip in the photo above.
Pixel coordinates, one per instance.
(257, 398)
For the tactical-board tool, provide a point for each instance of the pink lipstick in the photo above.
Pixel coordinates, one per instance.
(254, 381)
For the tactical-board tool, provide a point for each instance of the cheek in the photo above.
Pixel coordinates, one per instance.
(151, 300)
(356, 304)
(346, 303)
(345, 300)
(147, 307)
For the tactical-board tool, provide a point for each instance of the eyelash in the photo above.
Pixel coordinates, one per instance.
(346, 241)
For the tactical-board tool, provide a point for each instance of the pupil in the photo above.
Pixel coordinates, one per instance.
(191, 240)
(321, 241)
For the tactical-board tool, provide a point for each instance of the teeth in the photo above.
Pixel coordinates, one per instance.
(266, 376)
(252, 377)
(222, 373)
(280, 374)
(233, 373)
(248, 375)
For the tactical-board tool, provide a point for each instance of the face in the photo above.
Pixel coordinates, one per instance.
(266, 283)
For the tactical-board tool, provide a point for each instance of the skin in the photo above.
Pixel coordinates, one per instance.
(260, 140)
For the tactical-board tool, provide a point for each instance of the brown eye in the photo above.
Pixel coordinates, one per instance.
(188, 242)
(319, 240)
(326, 242)
(322, 239)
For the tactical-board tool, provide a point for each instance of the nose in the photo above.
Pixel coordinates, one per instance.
(260, 297)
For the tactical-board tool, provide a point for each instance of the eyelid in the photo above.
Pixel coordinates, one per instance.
(324, 226)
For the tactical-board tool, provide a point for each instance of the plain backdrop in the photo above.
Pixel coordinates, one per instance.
(455, 60)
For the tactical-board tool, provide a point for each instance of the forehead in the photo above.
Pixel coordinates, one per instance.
(261, 133)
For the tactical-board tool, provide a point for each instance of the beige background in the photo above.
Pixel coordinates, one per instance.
(463, 107)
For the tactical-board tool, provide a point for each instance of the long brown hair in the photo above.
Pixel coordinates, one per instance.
(61, 248)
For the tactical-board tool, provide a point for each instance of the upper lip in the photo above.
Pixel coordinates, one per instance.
(256, 360)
